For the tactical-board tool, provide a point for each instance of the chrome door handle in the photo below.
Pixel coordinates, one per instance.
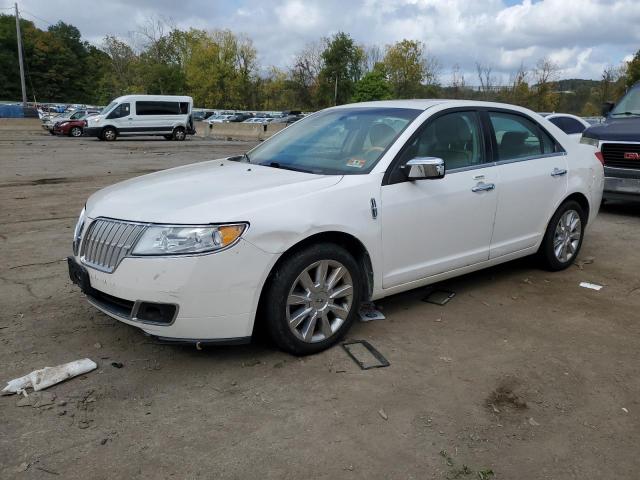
(483, 187)
(558, 172)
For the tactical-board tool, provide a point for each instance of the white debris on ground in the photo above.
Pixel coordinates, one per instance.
(48, 376)
(592, 286)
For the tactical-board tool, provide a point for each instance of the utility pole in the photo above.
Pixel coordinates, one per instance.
(19, 35)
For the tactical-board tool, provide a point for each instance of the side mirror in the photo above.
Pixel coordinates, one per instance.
(607, 107)
(421, 168)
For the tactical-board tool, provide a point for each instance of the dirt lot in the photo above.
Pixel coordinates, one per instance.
(523, 373)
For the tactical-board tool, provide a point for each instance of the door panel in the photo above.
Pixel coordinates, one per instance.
(533, 180)
(433, 226)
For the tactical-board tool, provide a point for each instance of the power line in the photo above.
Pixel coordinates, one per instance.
(36, 17)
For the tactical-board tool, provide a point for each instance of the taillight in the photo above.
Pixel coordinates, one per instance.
(600, 157)
(86, 124)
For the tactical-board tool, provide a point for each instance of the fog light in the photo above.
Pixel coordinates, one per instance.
(163, 313)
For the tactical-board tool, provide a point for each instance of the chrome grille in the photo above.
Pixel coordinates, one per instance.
(614, 155)
(107, 242)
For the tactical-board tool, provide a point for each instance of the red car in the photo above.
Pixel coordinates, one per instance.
(71, 128)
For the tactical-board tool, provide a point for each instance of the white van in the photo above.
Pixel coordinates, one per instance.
(166, 115)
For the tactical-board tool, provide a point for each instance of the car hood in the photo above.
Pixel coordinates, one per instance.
(625, 129)
(208, 192)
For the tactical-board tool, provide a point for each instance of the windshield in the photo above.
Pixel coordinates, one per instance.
(107, 108)
(629, 105)
(335, 142)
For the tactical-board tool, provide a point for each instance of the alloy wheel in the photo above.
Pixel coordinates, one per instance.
(319, 301)
(566, 238)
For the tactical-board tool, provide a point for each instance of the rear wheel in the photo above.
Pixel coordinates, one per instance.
(179, 134)
(75, 132)
(313, 299)
(563, 238)
(109, 134)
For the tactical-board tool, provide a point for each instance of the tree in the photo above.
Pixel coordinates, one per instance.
(486, 78)
(633, 70)
(408, 67)
(545, 74)
(342, 60)
(373, 86)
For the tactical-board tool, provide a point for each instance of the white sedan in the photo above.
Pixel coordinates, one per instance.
(572, 125)
(352, 203)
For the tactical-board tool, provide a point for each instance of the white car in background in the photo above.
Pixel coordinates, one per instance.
(572, 125)
(219, 119)
(353, 203)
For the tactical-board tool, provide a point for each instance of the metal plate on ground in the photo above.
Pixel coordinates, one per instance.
(369, 312)
(439, 296)
(365, 355)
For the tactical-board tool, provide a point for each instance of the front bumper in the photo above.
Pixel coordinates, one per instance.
(621, 187)
(215, 295)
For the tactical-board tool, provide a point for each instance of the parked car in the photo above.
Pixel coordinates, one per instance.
(289, 117)
(166, 115)
(261, 120)
(572, 125)
(352, 203)
(50, 122)
(617, 141)
(240, 117)
(72, 128)
(219, 119)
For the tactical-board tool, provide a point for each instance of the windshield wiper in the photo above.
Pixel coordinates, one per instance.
(628, 114)
(244, 158)
(288, 167)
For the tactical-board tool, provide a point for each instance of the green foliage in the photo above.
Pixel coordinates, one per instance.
(372, 86)
(633, 70)
(342, 60)
(404, 64)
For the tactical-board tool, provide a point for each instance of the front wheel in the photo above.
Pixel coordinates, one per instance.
(75, 132)
(563, 238)
(109, 134)
(179, 134)
(313, 299)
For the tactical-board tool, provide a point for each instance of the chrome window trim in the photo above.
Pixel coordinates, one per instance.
(503, 162)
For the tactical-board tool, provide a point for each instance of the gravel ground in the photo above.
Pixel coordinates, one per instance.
(523, 374)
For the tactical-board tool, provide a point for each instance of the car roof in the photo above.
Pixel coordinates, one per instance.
(423, 104)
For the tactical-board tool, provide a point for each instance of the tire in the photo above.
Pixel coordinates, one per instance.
(168, 137)
(179, 134)
(562, 241)
(109, 134)
(288, 300)
(75, 132)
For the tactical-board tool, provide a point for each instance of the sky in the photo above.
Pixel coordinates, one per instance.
(581, 36)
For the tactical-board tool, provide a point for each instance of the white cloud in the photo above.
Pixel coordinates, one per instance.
(582, 36)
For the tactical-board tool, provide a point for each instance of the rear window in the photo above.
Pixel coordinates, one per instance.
(161, 108)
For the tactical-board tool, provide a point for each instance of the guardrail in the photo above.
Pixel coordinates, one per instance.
(238, 131)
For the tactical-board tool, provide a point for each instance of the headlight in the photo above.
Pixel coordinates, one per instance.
(63, 124)
(77, 233)
(180, 240)
(590, 141)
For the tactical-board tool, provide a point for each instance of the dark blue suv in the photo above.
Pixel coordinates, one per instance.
(618, 142)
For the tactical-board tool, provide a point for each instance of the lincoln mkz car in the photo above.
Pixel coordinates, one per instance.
(353, 203)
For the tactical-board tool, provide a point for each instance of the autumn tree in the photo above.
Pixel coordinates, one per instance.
(408, 67)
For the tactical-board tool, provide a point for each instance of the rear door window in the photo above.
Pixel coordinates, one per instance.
(518, 137)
